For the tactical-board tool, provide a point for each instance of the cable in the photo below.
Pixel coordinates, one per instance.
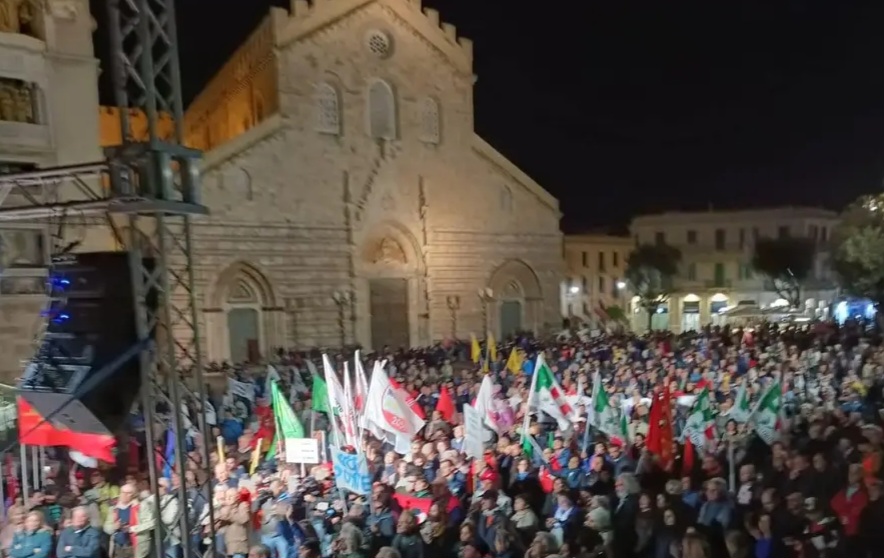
(105, 372)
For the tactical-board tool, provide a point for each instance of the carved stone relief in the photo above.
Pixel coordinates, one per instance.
(16, 101)
(389, 251)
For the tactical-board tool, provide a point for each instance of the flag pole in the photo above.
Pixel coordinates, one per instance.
(35, 466)
(24, 472)
(732, 473)
(526, 420)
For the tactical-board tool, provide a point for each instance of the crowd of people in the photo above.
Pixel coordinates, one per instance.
(805, 483)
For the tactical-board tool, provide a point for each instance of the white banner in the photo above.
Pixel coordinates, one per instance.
(302, 450)
(473, 432)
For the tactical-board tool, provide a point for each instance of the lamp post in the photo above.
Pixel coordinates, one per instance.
(453, 302)
(342, 299)
(486, 296)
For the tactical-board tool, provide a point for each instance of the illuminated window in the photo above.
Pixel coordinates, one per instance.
(328, 110)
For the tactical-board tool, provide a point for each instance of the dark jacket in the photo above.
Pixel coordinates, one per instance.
(82, 543)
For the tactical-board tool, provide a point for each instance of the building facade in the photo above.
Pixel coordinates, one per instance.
(716, 271)
(48, 95)
(594, 291)
(351, 198)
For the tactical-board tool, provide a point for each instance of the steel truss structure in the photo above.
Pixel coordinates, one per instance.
(147, 191)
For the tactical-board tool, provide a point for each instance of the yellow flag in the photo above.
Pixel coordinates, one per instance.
(492, 347)
(256, 456)
(475, 350)
(515, 361)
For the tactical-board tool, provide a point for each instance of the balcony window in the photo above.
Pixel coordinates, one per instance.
(692, 272)
(660, 238)
(720, 238)
(720, 276)
(615, 259)
(601, 262)
(692, 237)
(584, 259)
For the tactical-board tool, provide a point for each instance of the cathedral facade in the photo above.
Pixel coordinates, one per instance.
(351, 199)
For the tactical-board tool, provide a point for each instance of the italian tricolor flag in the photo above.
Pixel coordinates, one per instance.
(550, 397)
(766, 416)
(700, 426)
(605, 417)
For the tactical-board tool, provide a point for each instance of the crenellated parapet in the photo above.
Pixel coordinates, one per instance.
(308, 16)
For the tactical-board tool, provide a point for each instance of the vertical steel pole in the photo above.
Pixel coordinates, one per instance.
(147, 78)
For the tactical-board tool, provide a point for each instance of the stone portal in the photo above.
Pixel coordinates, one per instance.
(388, 300)
(244, 334)
(510, 317)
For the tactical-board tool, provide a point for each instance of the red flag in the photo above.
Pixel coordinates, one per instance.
(445, 405)
(660, 433)
(409, 399)
(34, 430)
(266, 428)
(421, 504)
(687, 459)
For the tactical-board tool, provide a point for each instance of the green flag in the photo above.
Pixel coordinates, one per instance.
(287, 423)
(320, 395)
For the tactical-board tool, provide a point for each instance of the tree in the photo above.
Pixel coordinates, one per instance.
(858, 249)
(787, 263)
(650, 269)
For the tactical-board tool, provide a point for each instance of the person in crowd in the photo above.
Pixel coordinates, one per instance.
(34, 540)
(80, 539)
(120, 518)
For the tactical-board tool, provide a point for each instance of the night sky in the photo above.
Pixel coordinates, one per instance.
(621, 107)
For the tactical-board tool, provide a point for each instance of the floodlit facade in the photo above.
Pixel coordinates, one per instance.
(716, 271)
(350, 196)
(48, 97)
(594, 289)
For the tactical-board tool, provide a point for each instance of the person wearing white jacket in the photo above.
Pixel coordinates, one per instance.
(169, 512)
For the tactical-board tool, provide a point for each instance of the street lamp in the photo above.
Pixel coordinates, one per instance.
(574, 289)
(342, 299)
(453, 302)
(621, 285)
(486, 296)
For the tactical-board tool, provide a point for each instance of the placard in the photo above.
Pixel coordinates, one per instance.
(302, 450)
(473, 432)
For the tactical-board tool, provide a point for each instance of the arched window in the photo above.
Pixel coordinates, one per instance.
(430, 121)
(381, 111)
(328, 110)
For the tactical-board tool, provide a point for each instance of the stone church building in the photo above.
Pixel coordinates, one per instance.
(350, 196)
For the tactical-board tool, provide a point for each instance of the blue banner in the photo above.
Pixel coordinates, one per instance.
(351, 472)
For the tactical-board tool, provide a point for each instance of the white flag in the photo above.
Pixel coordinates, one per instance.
(387, 410)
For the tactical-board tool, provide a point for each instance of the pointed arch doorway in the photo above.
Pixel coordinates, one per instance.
(243, 324)
(241, 320)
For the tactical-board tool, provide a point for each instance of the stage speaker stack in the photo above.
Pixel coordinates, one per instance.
(91, 328)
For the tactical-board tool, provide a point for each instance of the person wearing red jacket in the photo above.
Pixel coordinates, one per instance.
(848, 504)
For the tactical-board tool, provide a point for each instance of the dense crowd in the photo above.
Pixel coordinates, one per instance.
(783, 461)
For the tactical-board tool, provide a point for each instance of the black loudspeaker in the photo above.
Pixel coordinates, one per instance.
(90, 331)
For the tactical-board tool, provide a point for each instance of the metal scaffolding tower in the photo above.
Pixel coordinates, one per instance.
(149, 191)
